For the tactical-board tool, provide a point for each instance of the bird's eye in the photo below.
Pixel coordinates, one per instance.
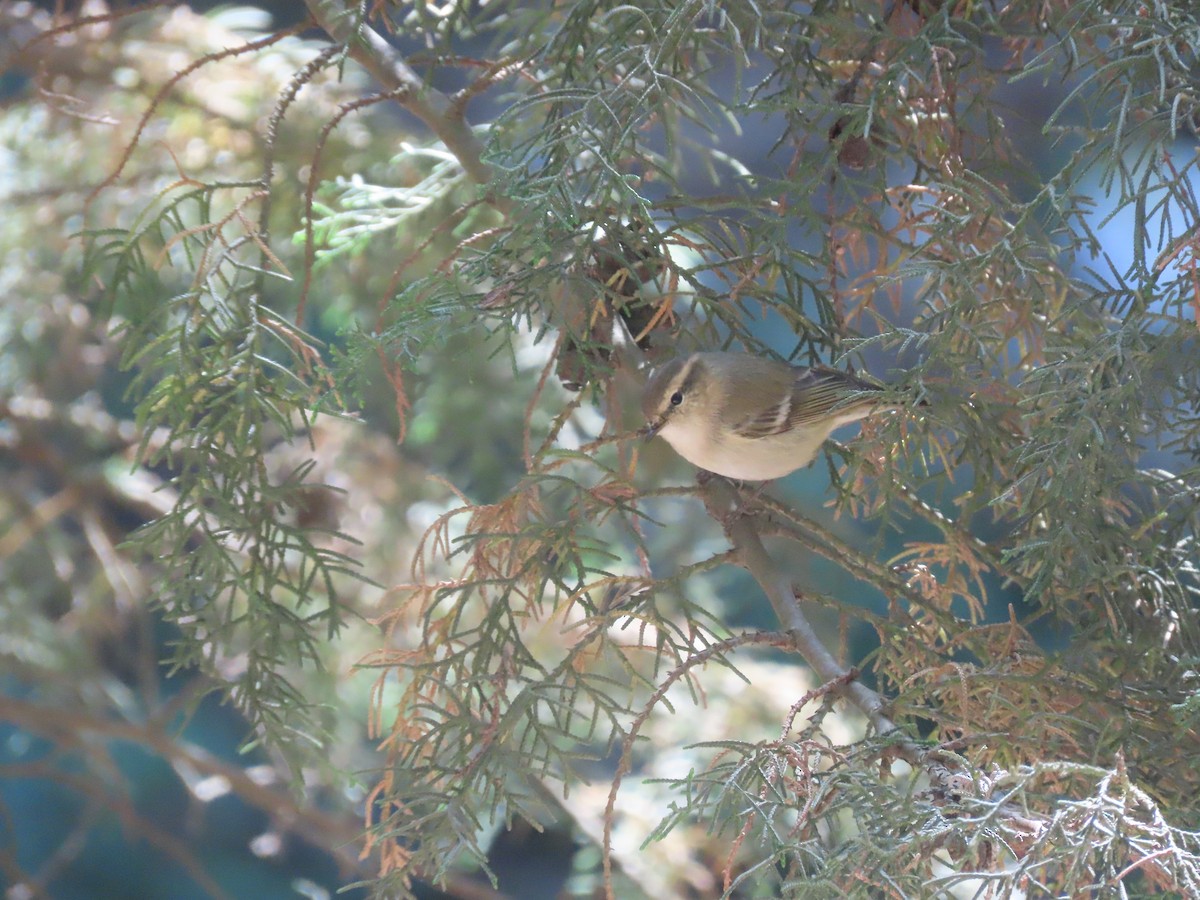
(676, 398)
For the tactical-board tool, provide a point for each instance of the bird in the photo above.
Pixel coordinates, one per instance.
(751, 418)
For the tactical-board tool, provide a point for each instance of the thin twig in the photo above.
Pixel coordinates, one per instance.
(720, 499)
(438, 111)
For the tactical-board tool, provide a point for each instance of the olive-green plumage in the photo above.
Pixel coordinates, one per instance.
(752, 418)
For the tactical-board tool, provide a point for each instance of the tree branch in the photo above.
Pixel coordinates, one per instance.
(339, 835)
(720, 499)
(443, 116)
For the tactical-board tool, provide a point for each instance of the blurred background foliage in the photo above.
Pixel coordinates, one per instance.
(321, 503)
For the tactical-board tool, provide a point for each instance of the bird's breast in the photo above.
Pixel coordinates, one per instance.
(734, 456)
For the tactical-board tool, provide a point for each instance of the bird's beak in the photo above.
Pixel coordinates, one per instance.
(652, 429)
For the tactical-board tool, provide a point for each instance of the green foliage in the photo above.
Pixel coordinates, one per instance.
(909, 185)
(219, 380)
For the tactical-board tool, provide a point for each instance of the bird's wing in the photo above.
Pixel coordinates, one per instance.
(767, 422)
(815, 393)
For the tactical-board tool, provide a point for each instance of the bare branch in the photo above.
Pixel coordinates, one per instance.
(443, 116)
(721, 501)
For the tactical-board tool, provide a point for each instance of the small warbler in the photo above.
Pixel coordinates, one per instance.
(751, 418)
